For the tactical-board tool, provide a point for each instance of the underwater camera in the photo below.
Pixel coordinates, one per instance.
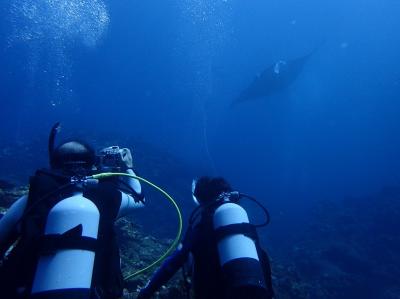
(110, 159)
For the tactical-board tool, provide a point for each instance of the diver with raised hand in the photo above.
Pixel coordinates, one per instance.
(59, 241)
(227, 259)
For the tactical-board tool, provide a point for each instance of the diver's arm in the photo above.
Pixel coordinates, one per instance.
(165, 272)
(170, 266)
(130, 202)
(9, 220)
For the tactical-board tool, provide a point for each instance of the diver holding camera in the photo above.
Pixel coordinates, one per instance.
(59, 240)
(116, 159)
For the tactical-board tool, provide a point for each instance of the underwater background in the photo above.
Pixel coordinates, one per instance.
(160, 77)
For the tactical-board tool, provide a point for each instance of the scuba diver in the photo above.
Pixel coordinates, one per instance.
(227, 260)
(59, 240)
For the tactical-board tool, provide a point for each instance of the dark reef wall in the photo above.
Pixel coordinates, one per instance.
(352, 248)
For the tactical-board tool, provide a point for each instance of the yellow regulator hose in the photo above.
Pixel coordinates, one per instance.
(179, 233)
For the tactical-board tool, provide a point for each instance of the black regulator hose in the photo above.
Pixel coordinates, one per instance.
(267, 215)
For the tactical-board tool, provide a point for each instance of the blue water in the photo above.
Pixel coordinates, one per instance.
(165, 72)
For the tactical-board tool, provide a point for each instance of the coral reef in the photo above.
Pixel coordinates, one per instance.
(9, 193)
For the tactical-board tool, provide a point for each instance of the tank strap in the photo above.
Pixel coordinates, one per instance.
(244, 228)
(71, 239)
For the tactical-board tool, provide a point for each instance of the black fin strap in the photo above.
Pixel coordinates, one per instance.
(244, 228)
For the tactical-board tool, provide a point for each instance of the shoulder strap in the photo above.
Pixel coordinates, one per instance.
(44, 182)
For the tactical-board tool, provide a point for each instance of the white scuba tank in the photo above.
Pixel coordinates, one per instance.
(66, 270)
(237, 251)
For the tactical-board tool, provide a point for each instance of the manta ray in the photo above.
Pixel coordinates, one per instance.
(275, 78)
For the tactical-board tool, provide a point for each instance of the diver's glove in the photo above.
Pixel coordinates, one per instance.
(126, 158)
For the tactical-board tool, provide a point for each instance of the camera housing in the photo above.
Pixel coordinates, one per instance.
(109, 159)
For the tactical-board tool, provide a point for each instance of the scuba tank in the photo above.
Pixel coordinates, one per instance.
(68, 241)
(238, 252)
(67, 254)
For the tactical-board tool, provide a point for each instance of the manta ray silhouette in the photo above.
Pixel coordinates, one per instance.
(275, 78)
